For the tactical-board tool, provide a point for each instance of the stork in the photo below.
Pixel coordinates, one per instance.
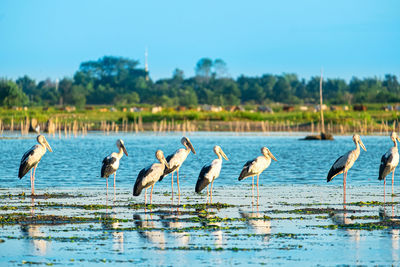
(257, 166)
(389, 161)
(210, 172)
(149, 176)
(31, 159)
(111, 162)
(345, 162)
(176, 160)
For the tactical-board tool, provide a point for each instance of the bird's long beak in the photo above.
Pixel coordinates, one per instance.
(191, 147)
(272, 156)
(223, 154)
(164, 161)
(124, 149)
(362, 145)
(398, 138)
(47, 145)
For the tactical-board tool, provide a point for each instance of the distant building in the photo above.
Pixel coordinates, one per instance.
(359, 108)
(211, 108)
(387, 108)
(318, 108)
(135, 109)
(235, 108)
(181, 108)
(288, 108)
(70, 108)
(265, 109)
(156, 109)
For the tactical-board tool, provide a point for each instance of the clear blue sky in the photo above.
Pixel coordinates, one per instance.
(48, 38)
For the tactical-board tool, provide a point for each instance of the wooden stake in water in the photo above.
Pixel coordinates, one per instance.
(320, 105)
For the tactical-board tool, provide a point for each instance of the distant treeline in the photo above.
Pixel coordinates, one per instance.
(119, 81)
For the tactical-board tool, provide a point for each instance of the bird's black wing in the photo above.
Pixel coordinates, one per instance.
(24, 167)
(246, 170)
(137, 188)
(202, 182)
(106, 168)
(335, 169)
(385, 168)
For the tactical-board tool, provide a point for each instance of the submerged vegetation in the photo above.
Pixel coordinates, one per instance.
(78, 221)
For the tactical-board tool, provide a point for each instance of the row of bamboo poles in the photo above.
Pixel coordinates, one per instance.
(76, 128)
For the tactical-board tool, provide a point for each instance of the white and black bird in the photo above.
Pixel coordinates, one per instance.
(210, 172)
(345, 162)
(257, 166)
(149, 176)
(389, 161)
(31, 159)
(111, 163)
(176, 160)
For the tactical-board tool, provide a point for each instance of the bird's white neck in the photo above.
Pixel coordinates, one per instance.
(43, 145)
(120, 153)
(395, 143)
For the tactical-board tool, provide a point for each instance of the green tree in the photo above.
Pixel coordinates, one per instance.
(203, 69)
(11, 94)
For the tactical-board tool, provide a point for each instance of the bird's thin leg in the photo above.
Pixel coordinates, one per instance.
(107, 186)
(34, 171)
(211, 191)
(114, 186)
(31, 183)
(384, 190)
(344, 187)
(151, 194)
(172, 184)
(258, 176)
(177, 181)
(392, 207)
(393, 181)
(252, 190)
(145, 197)
(207, 193)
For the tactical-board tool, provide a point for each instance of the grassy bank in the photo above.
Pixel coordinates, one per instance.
(373, 119)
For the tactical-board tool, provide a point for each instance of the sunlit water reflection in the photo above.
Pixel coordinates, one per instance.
(277, 231)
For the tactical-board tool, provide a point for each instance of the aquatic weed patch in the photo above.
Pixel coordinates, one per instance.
(309, 211)
(205, 248)
(372, 203)
(18, 218)
(386, 224)
(178, 229)
(40, 196)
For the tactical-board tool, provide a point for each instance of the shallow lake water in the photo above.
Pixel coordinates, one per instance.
(297, 219)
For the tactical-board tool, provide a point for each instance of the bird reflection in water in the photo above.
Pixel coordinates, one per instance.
(172, 222)
(257, 222)
(217, 233)
(153, 236)
(35, 234)
(385, 215)
(342, 217)
(108, 223)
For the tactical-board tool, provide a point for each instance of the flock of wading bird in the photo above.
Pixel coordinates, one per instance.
(148, 176)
